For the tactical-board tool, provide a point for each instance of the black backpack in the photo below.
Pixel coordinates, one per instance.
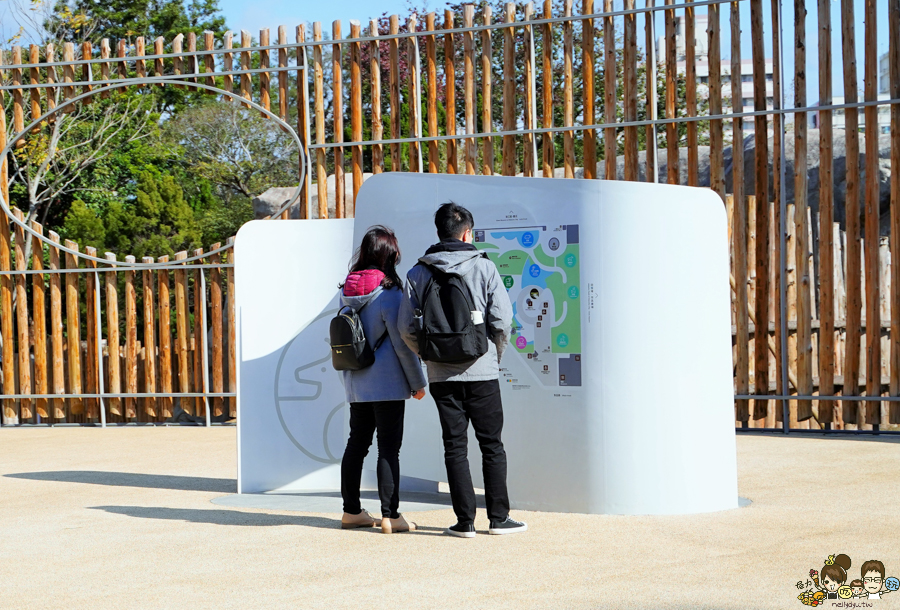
(445, 330)
(349, 349)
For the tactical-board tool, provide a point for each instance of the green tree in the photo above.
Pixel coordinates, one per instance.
(233, 148)
(158, 221)
(126, 19)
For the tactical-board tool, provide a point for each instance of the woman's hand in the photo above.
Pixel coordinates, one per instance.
(419, 394)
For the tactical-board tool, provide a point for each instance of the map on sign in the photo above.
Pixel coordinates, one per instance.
(540, 269)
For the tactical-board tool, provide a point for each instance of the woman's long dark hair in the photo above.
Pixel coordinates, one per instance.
(379, 250)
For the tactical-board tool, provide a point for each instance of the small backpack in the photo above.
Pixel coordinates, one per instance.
(445, 330)
(349, 349)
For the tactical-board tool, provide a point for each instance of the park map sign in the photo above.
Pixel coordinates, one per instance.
(539, 266)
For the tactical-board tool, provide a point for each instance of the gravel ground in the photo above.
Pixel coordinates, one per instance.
(122, 518)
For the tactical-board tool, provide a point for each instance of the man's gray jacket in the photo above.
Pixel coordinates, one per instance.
(489, 295)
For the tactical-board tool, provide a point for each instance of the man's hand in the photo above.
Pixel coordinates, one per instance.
(419, 394)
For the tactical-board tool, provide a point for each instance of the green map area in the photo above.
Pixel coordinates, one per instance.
(540, 267)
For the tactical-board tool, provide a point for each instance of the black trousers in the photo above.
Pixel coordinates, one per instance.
(458, 403)
(365, 418)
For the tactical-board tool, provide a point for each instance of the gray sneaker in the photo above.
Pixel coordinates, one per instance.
(507, 526)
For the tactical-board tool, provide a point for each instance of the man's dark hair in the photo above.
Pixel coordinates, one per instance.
(452, 221)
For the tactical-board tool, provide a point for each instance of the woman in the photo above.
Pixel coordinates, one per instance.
(377, 393)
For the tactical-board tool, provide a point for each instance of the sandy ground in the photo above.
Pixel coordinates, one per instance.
(122, 518)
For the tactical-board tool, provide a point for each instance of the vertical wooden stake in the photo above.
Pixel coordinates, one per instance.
(177, 62)
(873, 216)
(158, 49)
(24, 334)
(690, 99)
(303, 118)
(509, 93)
(227, 65)
(450, 89)
(894, 62)
(140, 63)
(34, 56)
(394, 85)
(165, 340)
(431, 95)
(801, 207)
(9, 413)
(39, 308)
(530, 168)
(265, 98)
(375, 75)
(762, 202)
(209, 60)
(232, 332)
(469, 49)
(199, 330)
(69, 72)
(853, 411)
(672, 161)
(149, 341)
(112, 337)
(587, 84)
(826, 220)
(568, 93)
(742, 314)
(356, 109)
(415, 95)
(283, 74)
(780, 218)
(215, 308)
(319, 72)
(91, 368)
(56, 332)
(73, 330)
(53, 92)
(631, 94)
(610, 147)
(193, 67)
(337, 105)
(104, 69)
(18, 99)
(487, 96)
(547, 145)
(87, 72)
(182, 331)
(246, 79)
(131, 347)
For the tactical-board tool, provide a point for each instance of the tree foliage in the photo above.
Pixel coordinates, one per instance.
(158, 221)
(127, 19)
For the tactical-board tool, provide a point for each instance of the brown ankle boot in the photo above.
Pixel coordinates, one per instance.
(363, 519)
(392, 526)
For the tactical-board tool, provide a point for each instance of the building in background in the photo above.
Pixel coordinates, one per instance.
(701, 46)
(884, 74)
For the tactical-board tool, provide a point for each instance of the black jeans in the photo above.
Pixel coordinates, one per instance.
(365, 419)
(459, 402)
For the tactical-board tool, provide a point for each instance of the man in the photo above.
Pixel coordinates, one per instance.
(469, 390)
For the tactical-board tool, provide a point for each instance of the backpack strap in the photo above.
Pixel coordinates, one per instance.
(380, 340)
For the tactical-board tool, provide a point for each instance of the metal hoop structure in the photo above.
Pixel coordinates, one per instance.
(11, 145)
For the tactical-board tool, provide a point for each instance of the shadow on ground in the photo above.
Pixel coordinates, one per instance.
(129, 479)
(237, 518)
